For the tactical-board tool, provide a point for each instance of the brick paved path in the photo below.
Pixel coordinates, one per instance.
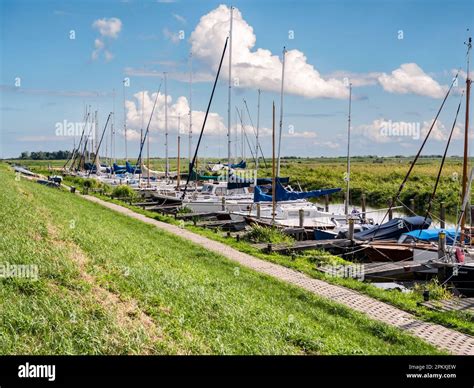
(437, 335)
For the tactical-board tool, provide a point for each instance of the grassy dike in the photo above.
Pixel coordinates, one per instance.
(109, 284)
(306, 262)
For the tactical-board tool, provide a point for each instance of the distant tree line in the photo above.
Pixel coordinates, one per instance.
(45, 155)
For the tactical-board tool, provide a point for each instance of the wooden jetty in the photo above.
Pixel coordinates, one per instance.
(223, 224)
(398, 269)
(332, 244)
(454, 304)
(203, 216)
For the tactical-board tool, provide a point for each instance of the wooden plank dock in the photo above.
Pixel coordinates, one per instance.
(392, 270)
(454, 304)
(305, 245)
(192, 216)
(223, 224)
(384, 270)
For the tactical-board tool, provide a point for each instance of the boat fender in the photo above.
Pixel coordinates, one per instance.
(459, 255)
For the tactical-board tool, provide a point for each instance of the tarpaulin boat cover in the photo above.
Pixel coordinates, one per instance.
(433, 234)
(119, 169)
(284, 195)
(90, 166)
(241, 164)
(131, 169)
(393, 229)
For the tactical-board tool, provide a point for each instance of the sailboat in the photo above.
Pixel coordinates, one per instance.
(418, 244)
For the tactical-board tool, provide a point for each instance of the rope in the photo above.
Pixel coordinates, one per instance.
(397, 196)
(430, 202)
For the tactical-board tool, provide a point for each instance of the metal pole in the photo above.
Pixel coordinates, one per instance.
(148, 159)
(273, 165)
(258, 126)
(166, 129)
(348, 173)
(190, 106)
(242, 133)
(125, 123)
(466, 137)
(281, 109)
(179, 165)
(229, 117)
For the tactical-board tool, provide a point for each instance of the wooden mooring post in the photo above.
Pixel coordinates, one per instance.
(442, 215)
(326, 203)
(301, 217)
(258, 211)
(351, 229)
(412, 205)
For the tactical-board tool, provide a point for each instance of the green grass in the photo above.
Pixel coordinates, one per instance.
(199, 301)
(307, 263)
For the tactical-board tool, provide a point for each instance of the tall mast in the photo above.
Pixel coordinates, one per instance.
(348, 173)
(242, 129)
(466, 137)
(148, 158)
(113, 128)
(111, 142)
(166, 129)
(125, 122)
(91, 138)
(230, 91)
(281, 109)
(258, 126)
(273, 165)
(179, 156)
(96, 133)
(143, 117)
(190, 106)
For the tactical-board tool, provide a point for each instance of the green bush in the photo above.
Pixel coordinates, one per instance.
(123, 191)
(436, 290)
(263, 234)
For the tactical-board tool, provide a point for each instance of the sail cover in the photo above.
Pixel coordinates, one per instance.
(132, 169)
(284, 195)
(393, 229)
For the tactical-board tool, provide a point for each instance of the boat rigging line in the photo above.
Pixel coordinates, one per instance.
(258, 146)
(139, 160)
(393, 200)
(191, 168)
(96, 156)
(430, 202)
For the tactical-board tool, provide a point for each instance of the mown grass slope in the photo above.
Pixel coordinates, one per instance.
(109, 284)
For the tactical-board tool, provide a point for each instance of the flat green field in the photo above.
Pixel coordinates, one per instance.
(112, 285)
(378, 178)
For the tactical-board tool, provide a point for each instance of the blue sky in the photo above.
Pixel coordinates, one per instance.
(359, 40)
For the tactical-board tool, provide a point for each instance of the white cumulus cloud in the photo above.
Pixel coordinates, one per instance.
(410, 78)
(178, 112)
(109, 28)
(258, 67)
